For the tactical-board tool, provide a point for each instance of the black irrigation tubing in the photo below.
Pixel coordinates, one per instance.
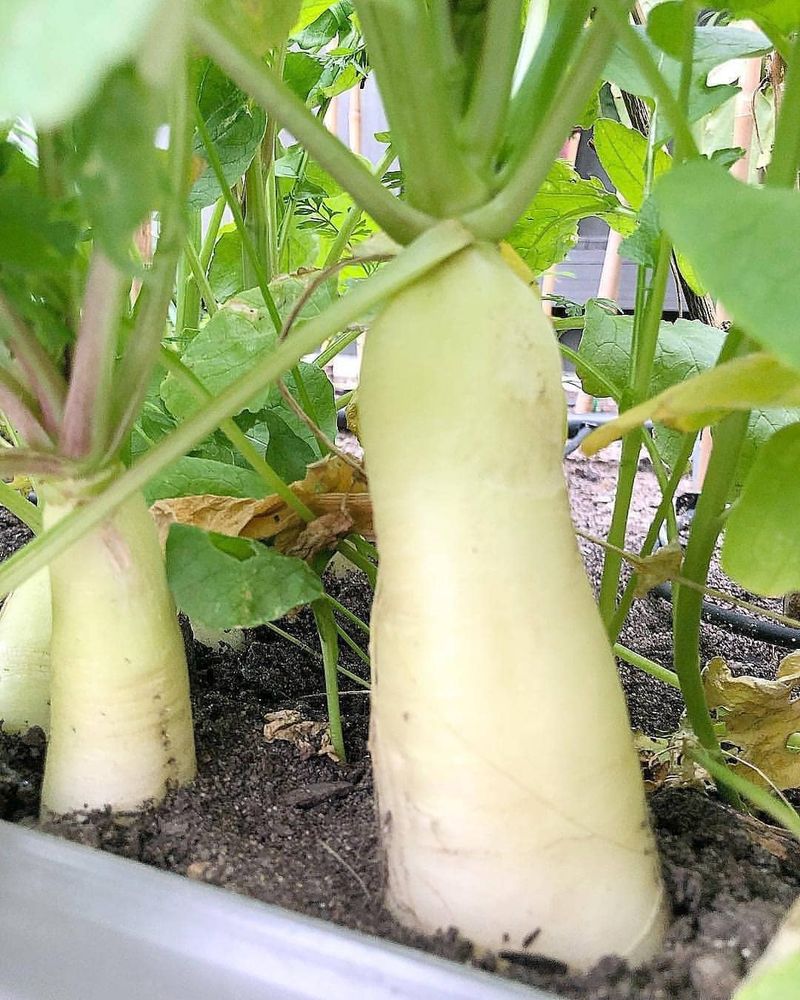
(741, 623)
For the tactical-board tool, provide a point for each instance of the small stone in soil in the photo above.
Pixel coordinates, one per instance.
(314, 795)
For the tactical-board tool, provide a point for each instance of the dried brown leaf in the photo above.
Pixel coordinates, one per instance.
(663, 565)
(311, 739)
(332, 489)
(759, 717)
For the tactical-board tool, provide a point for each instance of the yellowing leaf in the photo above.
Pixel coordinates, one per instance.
(663, 565)
(749, 383)
(332, 489)
(759, 718)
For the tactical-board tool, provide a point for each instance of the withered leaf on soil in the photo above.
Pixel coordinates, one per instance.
(311, 739)
(759, 718)
(663, 565)
(332, 489)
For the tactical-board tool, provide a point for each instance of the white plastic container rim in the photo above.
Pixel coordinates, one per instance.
(78, 924)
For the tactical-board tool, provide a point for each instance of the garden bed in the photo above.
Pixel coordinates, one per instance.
(267, 820)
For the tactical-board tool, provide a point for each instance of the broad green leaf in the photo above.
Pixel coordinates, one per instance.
(779, 18)
(259, 25)
(742, 242)
(119, 170)
(643, 244)
(622, 152)
(36, 235)
(236, 128)
(197, 476)
(713, 45)
(665, 26)
(683, 349)
(549, 228)
(310, 11)
(226, 582)
(757, 381)
(56, 52)
(222, 351)
(302, 73)
(288, 453)
(761, 550)
(225, 273)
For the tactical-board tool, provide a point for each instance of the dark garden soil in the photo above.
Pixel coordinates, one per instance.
(263, 821)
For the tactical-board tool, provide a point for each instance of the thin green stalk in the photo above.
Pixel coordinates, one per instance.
(647, 665)
(352, 644)
(134, 371)
(20, 408)
(348, 614)
(269, 187)
(336, 347)
(484, 124)
(210, 239)
(665, 508)
(367, 567)
(401, 42)
(537, 89)
(645, 337)
(20, 507)
(782, 171)
(452, 68)
(86, 427)
(687, 603)
(737, 786)
(428, 252)
(236, 211)
(329, 643)
(355, 214)
(292, 639)
(616, 16)
(366, 548)
(44, 379)
(256, 223)
(199, 275)
(494, 220)
(400, 220)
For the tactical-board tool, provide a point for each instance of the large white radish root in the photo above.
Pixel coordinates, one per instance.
(120, 725)
(510, 797)
(25, 625)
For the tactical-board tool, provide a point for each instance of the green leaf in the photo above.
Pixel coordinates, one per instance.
(761, 549)
(713, 45)
(197, 476)
(778, 982)
(622, 152)
(549, 228)
(287, 453)
(236, 128)
(35, 234)
(223, 350)
(302, 73)
(225, 582)
(779, 18)
(118, 168)
(642, 245)
(259, 25)
(756, 381)
(56, 52)
(310, 11)
(683, 349)
(225, 273)
(665, 24)
(742, 242)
